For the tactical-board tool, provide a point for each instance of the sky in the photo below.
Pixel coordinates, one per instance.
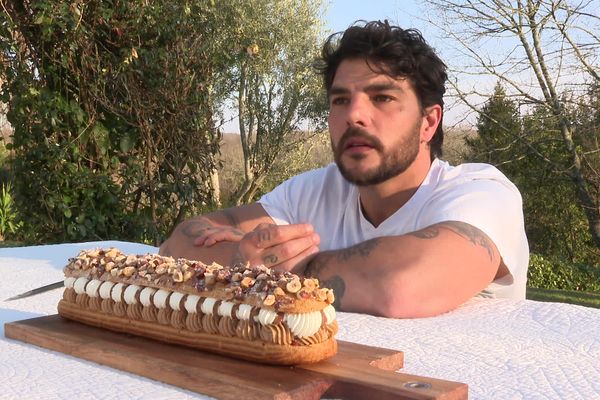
(342, 13)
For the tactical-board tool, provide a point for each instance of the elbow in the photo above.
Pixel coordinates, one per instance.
(406, 300)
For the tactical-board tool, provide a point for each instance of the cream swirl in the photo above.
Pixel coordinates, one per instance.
(117, 292)
(105, 289)
(92, 287)
(191, 303)
(69, 282)
(79, 285)
(146, 296)
(304, 324)
(160, 298)
(130, 293)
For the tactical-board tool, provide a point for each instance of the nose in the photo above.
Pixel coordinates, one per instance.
(357, 112)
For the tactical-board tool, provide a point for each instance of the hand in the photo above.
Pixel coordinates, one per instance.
(212, 235)
(286, 247)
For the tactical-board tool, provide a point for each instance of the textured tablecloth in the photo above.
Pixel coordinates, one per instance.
(503, 349)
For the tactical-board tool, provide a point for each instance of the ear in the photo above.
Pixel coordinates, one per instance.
(431, 120)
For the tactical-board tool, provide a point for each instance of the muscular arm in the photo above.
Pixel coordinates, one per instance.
(424, 273)
(238, 220)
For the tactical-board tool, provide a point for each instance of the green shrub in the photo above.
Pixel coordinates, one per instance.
(8, 214)
(556, 274)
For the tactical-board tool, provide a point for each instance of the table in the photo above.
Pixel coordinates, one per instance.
(503, 349)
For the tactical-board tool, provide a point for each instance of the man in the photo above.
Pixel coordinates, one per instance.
(391, 228)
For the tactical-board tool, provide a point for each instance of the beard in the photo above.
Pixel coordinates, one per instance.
(392, 162)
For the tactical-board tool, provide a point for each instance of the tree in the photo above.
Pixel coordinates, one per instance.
(555, 224)
(497, 125)
(113, 99)
(278, 93)
(545, 52)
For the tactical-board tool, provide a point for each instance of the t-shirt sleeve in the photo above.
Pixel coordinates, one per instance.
(279, 204)
(494, 207)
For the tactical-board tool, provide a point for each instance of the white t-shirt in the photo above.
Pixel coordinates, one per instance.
(477, 194)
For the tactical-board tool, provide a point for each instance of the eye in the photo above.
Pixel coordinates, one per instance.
(382, 98)
(339, 101)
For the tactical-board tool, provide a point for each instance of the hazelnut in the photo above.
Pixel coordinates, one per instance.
(112, 252)
(177, 276)
(330, 296)
(236, 277)
(210, 278)
(269, 300)
(128, 271)
(322, 294)
(161, 269)
(262, 276)
(293, 286)
(309, 285)
(187, 275)
(247, 282)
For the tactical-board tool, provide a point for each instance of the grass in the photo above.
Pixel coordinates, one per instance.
(586, 299)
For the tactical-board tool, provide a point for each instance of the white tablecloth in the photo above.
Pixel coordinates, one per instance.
(503, 349)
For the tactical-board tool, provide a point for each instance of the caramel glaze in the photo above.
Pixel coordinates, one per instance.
(278, 332)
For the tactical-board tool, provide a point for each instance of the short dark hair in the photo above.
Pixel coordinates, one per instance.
(397, 52)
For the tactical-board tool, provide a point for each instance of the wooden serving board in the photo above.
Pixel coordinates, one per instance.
(356, 372)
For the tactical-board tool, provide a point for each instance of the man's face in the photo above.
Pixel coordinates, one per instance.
(374, 123)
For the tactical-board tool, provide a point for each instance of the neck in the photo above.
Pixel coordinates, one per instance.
(380, 201)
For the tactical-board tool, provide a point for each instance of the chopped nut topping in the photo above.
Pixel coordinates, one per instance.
(178, 276)
(309, 285)
(128, 271)
(269, 300)
(293, 286)
(247, 282)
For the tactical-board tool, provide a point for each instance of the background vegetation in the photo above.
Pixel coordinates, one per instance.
(116, 112)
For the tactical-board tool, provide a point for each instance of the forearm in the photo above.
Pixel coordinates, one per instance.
(415, 275)
(181, 242)
(238, 221)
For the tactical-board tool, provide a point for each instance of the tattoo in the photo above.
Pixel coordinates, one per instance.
(339, 287)
(427, 233)
(362, 249)
(237, 258)
(270, 259)
(467, 231)
(264, 235)
(193, 228)
(231, 218)
(318, 265)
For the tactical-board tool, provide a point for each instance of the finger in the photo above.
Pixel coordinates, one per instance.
(273, 235)
(285, 251)
(199, 240)
(221, 236)
(297, 264)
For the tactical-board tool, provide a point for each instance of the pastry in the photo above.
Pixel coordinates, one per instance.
(252, 313)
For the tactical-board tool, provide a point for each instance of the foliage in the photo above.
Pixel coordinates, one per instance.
(278, 91)
(545, 53)
(8, 215)
(114, 100)
(546, 273)
(556, 225)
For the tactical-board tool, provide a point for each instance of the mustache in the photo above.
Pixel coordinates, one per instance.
(355, 132)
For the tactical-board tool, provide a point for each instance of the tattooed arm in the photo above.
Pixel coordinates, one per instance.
(242, 234)
(214, 236)
(420, 274)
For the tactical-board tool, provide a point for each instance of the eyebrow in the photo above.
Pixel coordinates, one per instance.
(375, 87)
